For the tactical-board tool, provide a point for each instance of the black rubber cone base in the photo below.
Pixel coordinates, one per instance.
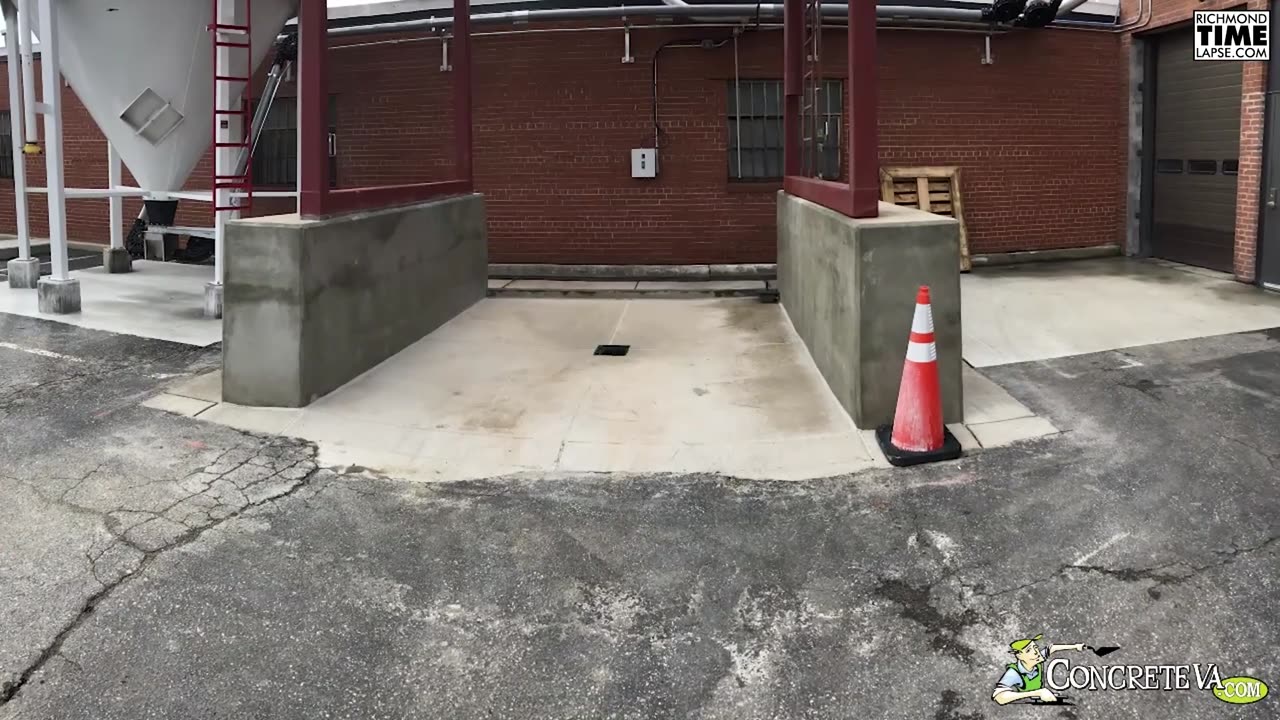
(898, 457)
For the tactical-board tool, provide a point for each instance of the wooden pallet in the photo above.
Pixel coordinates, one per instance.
(932, 189)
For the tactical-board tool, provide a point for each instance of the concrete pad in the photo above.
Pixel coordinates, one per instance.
(498, 283)
(157, 300)
(1049, 310)
(273, 421)
(572, 285)
(178, 405)
(206, 387)
(985, 401)
(1006, 432)
(968, 442)
(511, 385)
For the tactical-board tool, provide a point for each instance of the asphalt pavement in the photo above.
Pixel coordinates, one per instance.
(153, 566)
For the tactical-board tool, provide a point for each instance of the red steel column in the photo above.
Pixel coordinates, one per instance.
(313, 107)
(864, 139)
(462, 82)
(793, 59)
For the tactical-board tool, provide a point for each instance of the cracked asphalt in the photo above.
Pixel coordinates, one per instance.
(153, 566)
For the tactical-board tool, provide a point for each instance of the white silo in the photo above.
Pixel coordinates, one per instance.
(145, 71)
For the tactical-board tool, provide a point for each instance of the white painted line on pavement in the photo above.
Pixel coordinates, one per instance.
(41, 353)
(1114, 539)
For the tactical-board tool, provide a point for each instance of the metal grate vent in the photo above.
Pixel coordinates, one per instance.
(612, 350)
(151, 117)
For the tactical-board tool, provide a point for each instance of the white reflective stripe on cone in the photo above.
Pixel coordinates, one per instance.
(922, 352)
(923, 321)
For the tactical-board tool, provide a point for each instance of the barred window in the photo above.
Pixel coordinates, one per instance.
(755, 130)
(6, 146)
(275, 159)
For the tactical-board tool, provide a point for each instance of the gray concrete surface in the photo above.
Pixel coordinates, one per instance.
(849, 286)
(156, 300)
(1037, 311)
(310, 305)
(1149, 524)
(23, 274)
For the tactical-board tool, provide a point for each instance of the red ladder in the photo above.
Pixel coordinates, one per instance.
(233, 181)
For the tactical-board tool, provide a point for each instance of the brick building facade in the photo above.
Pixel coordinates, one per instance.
(1041, 134)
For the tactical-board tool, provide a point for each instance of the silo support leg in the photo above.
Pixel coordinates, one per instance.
(115, 259)
(58, 293)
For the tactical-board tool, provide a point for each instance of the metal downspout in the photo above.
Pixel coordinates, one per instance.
(269, 91)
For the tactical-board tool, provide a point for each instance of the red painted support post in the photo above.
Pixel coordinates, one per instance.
(864, 141)
(793, 60)
(313, 107)
(462, 84)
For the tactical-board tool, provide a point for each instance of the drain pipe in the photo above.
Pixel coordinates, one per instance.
(885, 12)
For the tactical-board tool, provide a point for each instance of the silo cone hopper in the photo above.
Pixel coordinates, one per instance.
(144, 70)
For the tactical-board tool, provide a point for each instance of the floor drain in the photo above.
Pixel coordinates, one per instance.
(614, 350)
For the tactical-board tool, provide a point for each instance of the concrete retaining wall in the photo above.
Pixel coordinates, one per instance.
(849, 287)
(311, 304)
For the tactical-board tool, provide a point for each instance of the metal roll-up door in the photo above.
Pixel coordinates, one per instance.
(1197, 142)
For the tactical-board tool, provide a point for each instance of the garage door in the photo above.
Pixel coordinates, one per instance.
(1197, 140)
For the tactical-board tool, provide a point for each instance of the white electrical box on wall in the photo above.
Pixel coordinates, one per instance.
(644, 162)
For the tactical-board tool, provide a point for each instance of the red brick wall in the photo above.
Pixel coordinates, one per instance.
(1156, 15)
(1039, 135)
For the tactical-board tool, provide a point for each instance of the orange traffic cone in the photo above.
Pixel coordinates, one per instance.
(917, 434)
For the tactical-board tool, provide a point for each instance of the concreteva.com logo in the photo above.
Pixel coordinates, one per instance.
(1034, 678)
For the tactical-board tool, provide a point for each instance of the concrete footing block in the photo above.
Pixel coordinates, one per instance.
(116, 260)
(313, 304)
(24, 274)
(59, 297)
(849, 287)
(213, 300)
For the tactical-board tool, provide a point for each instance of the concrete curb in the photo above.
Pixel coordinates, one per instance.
(551, 271)
(40, 247)
(695, 289)
(1029, 256)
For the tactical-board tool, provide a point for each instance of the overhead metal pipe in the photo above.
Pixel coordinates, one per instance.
(772, 10)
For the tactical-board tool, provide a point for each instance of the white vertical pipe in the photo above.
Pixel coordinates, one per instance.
(12, 48)
(32, 134)
(114, 180)
(52, 95)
